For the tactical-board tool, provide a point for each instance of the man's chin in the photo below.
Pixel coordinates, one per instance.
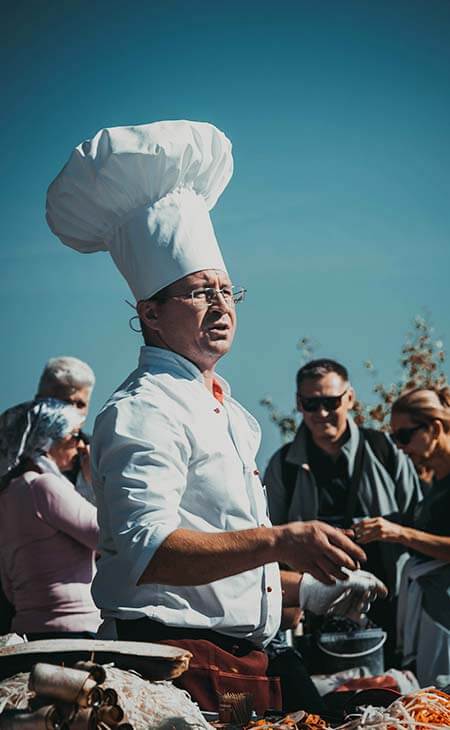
(220, 343)
(326, 431)
(219, 347)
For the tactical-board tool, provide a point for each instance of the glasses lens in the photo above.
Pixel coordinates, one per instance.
(404, 435)
(79, 404)
(310, 404)
(329, 403)
(332, 403)
(207, 296)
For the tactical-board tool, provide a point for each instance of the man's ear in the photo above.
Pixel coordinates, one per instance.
(437, 428)
(297, 400)
(148, 313)
(351, 397)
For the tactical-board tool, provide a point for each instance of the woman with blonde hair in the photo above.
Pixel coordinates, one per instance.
(420, 423)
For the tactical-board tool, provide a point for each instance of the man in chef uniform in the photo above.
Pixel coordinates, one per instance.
(188, 554)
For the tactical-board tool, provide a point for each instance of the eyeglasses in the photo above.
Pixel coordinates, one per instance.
(78, 403)
(202, 298)
(327, 402)
(404, 435)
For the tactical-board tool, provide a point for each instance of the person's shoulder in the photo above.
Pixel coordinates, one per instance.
(46, 482)
(48, 491)
(138, 413)
(381, 445)
(279, 456)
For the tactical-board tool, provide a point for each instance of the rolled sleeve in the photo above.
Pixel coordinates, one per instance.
(142, 474)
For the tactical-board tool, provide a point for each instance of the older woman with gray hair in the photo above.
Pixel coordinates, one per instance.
(48, 532)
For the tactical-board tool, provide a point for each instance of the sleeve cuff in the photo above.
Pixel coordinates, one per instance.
(146, 554)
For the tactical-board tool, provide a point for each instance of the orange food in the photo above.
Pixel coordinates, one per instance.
(315, 722)
(429, 706)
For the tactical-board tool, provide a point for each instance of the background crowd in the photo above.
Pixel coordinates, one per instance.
(333, 471)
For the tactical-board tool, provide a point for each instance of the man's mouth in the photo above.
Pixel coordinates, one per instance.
(218, 327)
(323, 424)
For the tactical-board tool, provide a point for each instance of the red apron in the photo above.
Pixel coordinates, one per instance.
(214, 671)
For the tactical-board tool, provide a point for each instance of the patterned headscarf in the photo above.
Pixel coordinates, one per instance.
(28, 430)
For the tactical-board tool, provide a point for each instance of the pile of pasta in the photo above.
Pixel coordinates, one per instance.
(425, 709)
(313, 722)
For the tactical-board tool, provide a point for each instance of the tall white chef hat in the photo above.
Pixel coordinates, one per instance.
(143, 193)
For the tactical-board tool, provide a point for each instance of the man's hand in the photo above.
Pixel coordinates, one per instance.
(319, 549)
(351, 596)
(377, 528)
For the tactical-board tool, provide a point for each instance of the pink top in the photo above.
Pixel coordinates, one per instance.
(48, 534)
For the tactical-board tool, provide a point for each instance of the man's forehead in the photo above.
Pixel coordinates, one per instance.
(323, 384)
(206, 276)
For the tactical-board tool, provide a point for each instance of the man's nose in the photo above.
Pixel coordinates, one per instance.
(322, 411)
(219, 301)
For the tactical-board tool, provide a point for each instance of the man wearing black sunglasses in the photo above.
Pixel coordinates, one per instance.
(338, 473)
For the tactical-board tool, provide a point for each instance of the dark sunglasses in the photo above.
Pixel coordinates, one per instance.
(403, 436)
(77, 437)
(327, 402)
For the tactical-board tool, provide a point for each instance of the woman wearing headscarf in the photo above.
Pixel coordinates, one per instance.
(48, 532)
(420, 424)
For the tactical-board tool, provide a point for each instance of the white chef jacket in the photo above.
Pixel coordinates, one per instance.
(166, 454)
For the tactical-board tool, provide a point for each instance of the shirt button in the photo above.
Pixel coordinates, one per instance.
(256, 472)
(269, 589)
(216, 410)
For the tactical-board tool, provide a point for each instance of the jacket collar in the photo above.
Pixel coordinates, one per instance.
(157, 359)
(297, 452)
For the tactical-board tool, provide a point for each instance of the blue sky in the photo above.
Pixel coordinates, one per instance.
(337, 219)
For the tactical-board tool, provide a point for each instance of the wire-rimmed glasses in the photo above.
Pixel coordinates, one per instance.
(205, 296)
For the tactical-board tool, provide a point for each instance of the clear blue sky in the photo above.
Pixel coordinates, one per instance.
(337, 219)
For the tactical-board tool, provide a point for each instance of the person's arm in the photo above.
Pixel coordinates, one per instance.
(291, 613)
(141, 455)
(192, 558)
(290, 585)
(58, 504)
(378, 528)
(435, 546)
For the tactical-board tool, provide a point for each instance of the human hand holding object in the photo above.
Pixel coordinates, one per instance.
(319, 549)
(377, 528)
(351, 596)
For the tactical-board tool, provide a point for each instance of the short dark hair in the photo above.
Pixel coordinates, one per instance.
(319, 368)
(160, 297)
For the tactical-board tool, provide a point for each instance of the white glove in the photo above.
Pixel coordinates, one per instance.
(351, 596)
